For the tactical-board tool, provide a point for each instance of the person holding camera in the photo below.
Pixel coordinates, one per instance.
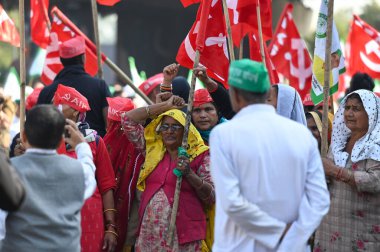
(99, 230)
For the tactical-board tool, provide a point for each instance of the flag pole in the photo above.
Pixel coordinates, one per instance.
(22, 64)
(123, 77)
(230, 43)
(326, 87)
(96, 33)
(261, 39)
(46, 15)
(241, 48)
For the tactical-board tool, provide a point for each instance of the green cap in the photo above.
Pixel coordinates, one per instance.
(249, 75)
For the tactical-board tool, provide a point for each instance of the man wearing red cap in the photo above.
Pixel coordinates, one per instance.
(74, 106)
(72, 55)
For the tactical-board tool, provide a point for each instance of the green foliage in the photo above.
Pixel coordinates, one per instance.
(371, 14)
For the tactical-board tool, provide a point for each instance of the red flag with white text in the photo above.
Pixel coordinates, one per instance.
(108, 2)
(63, 29)
(243, 18)
(254, 52)
(290, 55)
(214, 55)
(363, 49)
(8, 31)
(38, 22)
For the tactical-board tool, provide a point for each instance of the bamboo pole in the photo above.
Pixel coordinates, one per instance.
(22, 64)
(261, 39)
(177, 192)
(46, 15)
(241, 48)
(126, 79)
(97, 40)
(230, 43)
(326, 87)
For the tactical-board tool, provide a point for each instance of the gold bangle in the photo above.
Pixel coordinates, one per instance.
(112, 232)
(147, 109)
(109, 209)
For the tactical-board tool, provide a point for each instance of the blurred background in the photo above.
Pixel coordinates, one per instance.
(143, 36)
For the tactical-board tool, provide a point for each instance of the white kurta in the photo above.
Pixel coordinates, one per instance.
(267, 172)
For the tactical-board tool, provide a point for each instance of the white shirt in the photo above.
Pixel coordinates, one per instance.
(267, 172)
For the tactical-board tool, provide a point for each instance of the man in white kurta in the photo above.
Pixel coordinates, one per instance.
(270, 185)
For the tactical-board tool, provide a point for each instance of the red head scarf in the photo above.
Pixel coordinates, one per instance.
(151, 83)
(117, 106)
(71, 97)
(202, 96)
(31, 101)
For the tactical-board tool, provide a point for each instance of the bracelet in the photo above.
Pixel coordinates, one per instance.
(350, 175)
(147, 109)
(112, 232)
(111, 225)
(109, 209)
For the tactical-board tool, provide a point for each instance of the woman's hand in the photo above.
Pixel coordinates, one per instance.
(201, 73)
(170, 72)
(183, 164)
(109, 241)
(175, 102)
(329, 167)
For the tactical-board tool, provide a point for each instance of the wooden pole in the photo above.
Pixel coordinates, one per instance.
(241, 48)
(177, 192)
(261, 39)
(22, 64)
(230, 43)
(326, 87)
(96, 33)
(123, 77)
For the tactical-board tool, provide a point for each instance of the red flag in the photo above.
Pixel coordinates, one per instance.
(8, 31)
(244, 18)
(212, 45)
(290, 55)
(363, 52)
(38, 22)
(186, 3)
(254, 52)
(63, 29)
(108, 2)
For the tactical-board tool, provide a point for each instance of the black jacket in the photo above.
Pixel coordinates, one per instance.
(94, 89)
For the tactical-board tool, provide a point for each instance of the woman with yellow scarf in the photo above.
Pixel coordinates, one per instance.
(162, 137)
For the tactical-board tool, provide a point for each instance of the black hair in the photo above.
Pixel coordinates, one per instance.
(77, 60)
(354, 96)
(44, 127)
(181, 87)
(361, 81)
(251, 97)
(308, 115)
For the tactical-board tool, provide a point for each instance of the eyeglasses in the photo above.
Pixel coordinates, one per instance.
(173, 127)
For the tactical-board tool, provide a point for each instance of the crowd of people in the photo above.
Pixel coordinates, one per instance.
(91, 172)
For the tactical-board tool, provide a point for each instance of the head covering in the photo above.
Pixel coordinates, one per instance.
(289, 104)
(31, 100)
(181, 88)
(249, 75)
(307, 100)
(70, 96)
(202, 96)
(117, 106)
(72, 47)
(317, 116)
(155, 148)
(367, 147)
(151, 83)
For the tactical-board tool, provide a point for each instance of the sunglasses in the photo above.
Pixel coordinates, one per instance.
(173, 127)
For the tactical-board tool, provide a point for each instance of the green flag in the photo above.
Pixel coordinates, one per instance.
(12, 84)
(337, 59)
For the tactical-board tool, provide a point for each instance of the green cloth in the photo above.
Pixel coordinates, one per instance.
(249, 75)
